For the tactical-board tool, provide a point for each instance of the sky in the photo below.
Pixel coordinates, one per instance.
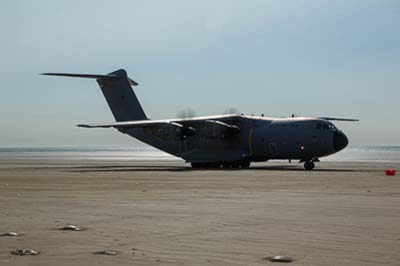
(310, 58)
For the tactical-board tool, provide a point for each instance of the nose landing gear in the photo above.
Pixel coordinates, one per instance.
(309, 165)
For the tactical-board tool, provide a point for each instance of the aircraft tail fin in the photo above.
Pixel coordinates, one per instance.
(117, 90)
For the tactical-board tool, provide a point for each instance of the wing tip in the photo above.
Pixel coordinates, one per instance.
(83, 125)
(340, 119)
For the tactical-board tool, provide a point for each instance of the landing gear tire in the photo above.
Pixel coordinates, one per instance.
(245, 164)
(309, 165)
(196, 165)
(206, 165)
(236, 165)
(226, 165)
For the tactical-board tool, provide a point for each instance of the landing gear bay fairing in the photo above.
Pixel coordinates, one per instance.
(222, 141)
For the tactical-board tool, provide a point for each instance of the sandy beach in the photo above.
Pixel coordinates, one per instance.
(165, 213)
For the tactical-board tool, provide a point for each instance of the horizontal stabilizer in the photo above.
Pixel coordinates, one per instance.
(90, 76)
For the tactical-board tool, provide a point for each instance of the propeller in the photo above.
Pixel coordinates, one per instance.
(186, 113)
(231, 110)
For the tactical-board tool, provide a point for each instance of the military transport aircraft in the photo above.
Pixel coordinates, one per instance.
(222, 141)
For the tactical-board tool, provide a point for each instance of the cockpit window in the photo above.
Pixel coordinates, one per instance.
(332, 126)
(325, 126)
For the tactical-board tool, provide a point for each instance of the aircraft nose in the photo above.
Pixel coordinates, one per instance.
(340, 141)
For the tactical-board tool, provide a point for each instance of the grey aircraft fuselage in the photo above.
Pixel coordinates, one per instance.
(259, 139)
(229, 141)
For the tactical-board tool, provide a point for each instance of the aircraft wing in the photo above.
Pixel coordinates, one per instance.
(187, 127)
(339, 119)
(159, 124)
(141, 123)
(129, 124)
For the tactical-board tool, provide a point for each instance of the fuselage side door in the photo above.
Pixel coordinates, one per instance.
(273, 150)
(182, 145)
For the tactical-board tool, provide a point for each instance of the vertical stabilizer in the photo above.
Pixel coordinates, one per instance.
(120, 97)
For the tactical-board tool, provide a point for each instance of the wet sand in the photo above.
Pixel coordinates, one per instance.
(165, 213)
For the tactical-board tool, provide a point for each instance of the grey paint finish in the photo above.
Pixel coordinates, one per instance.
(218, 140)
(259, 139)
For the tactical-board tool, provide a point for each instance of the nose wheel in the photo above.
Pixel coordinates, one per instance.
(309, 165)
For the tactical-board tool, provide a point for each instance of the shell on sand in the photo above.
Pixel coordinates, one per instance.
(71, 227)
(106, 252)
(10, 234)
(25, 251)
(279, 259)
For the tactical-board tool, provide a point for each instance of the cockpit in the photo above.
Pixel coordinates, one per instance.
(325, 126)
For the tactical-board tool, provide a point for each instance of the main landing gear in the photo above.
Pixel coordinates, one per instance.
(225, 165)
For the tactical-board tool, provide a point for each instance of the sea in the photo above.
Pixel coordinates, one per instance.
(357, 153)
